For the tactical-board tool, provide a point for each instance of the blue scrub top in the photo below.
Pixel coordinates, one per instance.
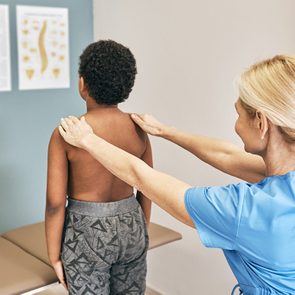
(254, 224)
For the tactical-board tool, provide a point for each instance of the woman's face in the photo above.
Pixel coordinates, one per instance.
(248, 130)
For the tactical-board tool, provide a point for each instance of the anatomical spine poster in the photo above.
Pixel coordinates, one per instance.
(43, 47)
(5, 71)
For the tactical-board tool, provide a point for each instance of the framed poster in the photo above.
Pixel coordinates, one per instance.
(43, 47)
(5, 66)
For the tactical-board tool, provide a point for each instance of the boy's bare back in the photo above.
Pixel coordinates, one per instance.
(88, 180)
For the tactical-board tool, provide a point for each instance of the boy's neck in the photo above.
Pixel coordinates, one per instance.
(92, 105)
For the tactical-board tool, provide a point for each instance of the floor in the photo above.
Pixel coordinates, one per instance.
(57, 289)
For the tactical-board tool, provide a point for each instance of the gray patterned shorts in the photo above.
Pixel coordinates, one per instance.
(104, 247)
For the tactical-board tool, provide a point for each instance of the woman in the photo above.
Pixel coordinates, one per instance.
(253, 222)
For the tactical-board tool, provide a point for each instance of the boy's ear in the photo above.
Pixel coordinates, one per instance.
(82, 88)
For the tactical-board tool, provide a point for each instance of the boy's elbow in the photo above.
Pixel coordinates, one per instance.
(54, 208)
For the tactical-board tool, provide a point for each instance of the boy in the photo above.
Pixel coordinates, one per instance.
(100, 240)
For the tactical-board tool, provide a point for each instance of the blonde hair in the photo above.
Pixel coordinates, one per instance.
(269, 87)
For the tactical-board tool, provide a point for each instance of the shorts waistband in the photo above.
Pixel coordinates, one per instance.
(103, 209)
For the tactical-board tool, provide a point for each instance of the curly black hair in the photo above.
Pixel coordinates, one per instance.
(109, 71)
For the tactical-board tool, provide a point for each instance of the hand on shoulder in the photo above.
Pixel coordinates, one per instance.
(149, 124)
(74, 131)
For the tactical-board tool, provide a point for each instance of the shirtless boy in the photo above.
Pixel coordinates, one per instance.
(97, 244)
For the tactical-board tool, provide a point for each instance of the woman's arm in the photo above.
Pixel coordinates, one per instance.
(57, 179)
(220, 154)
(145, 202)
(166, 191)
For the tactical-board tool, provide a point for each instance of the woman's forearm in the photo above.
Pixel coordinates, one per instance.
(207, 149)
(220, 154)
(117, 161)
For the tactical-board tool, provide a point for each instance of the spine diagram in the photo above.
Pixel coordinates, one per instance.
(41, 43)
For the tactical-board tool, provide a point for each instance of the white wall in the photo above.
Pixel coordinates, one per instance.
(188, 54)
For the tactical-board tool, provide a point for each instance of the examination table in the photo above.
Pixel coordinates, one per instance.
(24, 264)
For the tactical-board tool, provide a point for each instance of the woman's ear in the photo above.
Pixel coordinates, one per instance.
(262, 124)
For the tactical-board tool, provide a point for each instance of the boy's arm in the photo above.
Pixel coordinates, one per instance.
(144, 202)
(57, 179)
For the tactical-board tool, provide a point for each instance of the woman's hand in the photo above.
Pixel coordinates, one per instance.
(59, 270)
(149, 124)
(74, 131)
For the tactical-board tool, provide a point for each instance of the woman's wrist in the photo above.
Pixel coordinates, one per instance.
(167, 132)
(87, 140)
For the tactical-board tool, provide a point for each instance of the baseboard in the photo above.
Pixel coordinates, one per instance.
(56, 288)
(41, 289)
(151, 291)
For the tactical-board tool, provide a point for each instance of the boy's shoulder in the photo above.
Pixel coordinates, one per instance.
(56, 139)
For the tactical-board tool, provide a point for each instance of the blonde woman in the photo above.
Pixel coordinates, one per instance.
(253, 221)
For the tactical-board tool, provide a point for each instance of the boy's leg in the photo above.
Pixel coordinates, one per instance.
(88, 281)
(128, 274)
(86, 265)
(129, 278)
